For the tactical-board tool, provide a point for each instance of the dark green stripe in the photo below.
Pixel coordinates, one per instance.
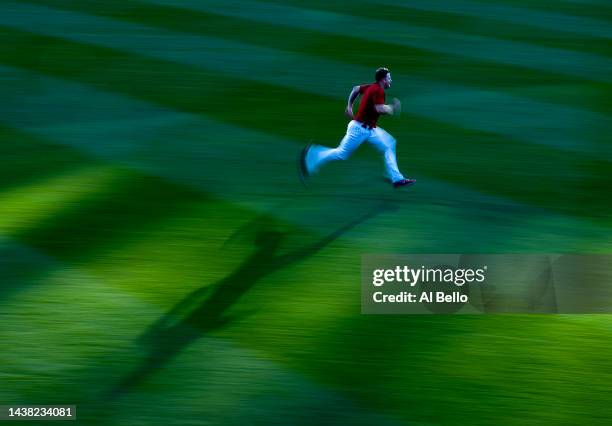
(26, 158)
(587, 9)
(117, 215)
(383, 11)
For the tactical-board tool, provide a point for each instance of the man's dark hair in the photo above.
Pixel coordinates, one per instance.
(381, 73)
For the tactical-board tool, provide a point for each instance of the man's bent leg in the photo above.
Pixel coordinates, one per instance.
(318, 155)
(385, 143)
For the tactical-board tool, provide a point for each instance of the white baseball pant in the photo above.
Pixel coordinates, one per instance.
(319, 155)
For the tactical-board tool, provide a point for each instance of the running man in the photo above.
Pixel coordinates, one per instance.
(361, 128)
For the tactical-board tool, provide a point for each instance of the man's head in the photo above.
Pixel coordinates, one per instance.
(383, 77)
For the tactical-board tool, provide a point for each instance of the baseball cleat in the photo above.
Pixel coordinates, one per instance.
(404, 182)
(302, 168)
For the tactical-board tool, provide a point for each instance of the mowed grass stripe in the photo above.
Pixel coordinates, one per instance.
(120, 213)
(471, 24)
(584, 65)
(48, 184)
(268, 65)
(584, 8)
(557, 23)
(27, 206)
(27, 159)
(417, 66)
(187, 90)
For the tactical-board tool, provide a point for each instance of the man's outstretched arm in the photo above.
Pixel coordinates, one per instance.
(351, 100)
(394, 108)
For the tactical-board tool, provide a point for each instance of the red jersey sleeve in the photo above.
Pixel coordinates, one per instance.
(362, 88)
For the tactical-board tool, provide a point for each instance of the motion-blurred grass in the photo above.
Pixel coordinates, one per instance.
(163, 265)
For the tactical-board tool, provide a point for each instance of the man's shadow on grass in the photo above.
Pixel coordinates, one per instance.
(204, 310)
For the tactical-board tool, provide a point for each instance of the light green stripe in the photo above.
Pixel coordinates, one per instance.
(547, 20)
(26, 206)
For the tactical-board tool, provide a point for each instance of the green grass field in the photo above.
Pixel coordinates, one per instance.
(162, 264)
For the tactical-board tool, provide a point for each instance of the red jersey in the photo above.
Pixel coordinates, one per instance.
(372, 94)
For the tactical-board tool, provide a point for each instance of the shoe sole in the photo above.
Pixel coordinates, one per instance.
(404, 185)
(302, 171)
